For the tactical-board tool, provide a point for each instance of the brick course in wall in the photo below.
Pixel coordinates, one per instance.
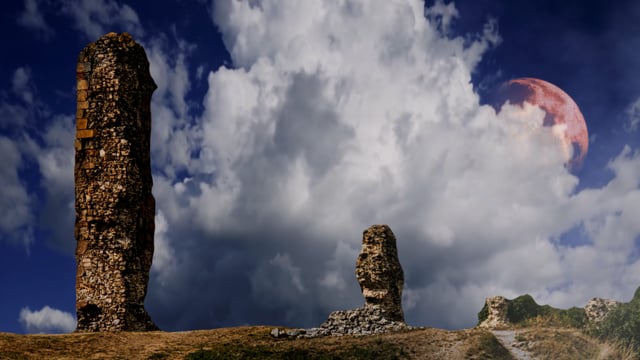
(115, 209)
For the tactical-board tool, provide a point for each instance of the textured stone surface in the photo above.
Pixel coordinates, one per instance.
(497, 307)
(597, 309)
(363, 321)
(114, 206)
(381, 280)
(368, 320)
(379, 272)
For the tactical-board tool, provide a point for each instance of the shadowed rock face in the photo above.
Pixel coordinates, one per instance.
(379, 272)
(114, 206)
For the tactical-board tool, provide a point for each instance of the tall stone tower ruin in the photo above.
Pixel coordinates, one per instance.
(114, 206)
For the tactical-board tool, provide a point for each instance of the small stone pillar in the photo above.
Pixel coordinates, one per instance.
(115, 209)
(497, 308)
(381, 280)
(379, 272)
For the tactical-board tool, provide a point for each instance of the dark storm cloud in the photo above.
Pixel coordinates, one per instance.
(256, 277)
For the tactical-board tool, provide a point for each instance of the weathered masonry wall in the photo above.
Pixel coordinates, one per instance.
(114, 206)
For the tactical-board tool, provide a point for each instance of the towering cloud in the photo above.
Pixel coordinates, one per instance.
(338, 115)
(332, 116)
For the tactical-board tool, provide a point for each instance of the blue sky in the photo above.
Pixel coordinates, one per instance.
(282, 129)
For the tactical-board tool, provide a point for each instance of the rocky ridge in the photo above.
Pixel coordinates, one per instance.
(500, 312)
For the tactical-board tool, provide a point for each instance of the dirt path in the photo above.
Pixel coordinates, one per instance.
(508, 339)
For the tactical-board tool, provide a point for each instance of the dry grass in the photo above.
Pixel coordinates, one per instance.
(609, 351)
(550, 343)
(252, 342)
(486, 346)
(256, 343)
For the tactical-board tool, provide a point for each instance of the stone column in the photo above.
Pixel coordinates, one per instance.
(379, 271)
(115, 209)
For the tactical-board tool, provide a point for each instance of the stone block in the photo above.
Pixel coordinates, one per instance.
(83, 84)
(84, 134)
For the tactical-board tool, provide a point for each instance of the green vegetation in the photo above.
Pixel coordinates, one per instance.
(622, 324)
(522, 308)
(524, 311)
(483, 314)
(620, 328)
(520, 338)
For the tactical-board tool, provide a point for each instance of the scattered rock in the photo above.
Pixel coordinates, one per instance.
(597, 309)
(368, 320)
(381, 280)
(297, 333)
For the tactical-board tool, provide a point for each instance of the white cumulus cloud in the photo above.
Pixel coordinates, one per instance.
(343, 114)
(47, 320)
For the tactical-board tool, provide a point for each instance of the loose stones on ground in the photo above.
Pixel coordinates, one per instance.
(381, 280)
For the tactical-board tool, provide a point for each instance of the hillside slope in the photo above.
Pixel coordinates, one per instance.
(255, 342)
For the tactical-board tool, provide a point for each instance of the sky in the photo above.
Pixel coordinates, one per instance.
(282, 129)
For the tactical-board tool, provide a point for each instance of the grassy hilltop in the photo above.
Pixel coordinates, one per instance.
(256, 343)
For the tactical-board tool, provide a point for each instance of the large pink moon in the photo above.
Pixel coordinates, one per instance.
(560, 110)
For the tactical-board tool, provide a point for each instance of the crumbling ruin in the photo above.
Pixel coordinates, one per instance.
(115, 209)
(379, 272)
(497, 307)
(381, 280)
(498, 312)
